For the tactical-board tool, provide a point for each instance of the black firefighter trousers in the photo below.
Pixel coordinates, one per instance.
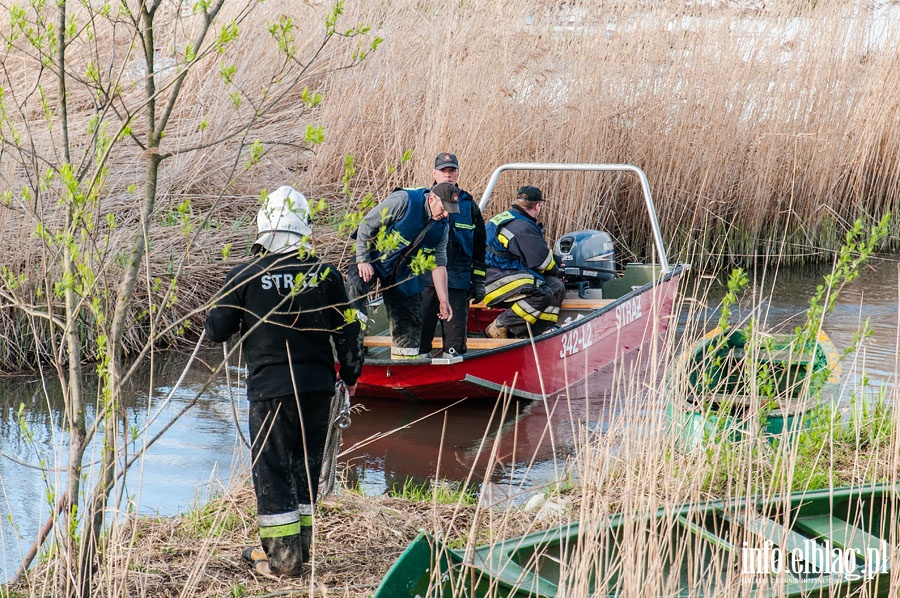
(287, 436)
(454, 332)
(404, 313)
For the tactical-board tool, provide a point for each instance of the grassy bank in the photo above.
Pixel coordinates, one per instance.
(198, 553)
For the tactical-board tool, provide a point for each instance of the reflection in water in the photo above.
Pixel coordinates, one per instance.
(198, 449)
(510, 448)
(29, 434)
(508, 443)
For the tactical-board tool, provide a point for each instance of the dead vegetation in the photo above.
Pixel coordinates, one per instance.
(197, 554)
(763, 130)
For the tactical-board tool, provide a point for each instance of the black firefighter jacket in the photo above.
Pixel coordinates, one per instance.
(288, 309)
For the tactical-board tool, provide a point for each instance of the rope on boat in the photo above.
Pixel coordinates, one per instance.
(340, 420)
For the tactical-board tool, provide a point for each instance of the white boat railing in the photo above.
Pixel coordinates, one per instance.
(645, 188)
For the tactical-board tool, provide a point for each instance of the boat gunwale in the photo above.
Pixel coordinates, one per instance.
(699, 401)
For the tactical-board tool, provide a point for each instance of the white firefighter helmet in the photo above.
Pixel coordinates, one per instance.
(283, 222)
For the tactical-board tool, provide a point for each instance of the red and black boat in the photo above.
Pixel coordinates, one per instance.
(608, 315)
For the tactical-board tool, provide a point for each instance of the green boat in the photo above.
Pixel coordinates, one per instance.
(820, 543)
(721, 387)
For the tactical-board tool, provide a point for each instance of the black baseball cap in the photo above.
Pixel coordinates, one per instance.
(445, 160)
(449, 196)
(529, 193)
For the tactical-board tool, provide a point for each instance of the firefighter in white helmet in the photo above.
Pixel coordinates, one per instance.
(287, 307)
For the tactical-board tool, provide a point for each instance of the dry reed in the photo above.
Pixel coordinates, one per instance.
(763, 130)
(632, 467)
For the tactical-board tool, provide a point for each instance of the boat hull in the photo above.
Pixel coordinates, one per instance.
(539, 367)
(724, 548)
(698, 415)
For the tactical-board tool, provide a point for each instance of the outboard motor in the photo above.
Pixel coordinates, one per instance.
(587, 261)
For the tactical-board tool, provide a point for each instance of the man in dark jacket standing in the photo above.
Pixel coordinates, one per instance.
(288, 307)
(522, 271)
(465, 266)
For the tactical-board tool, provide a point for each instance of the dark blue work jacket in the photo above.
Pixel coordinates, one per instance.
(498, 254)
(460, 245)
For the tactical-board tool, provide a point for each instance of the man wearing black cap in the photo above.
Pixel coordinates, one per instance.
(522, 271)
(393, 242)
(465, 266)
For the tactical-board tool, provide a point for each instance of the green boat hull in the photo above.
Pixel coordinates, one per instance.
(706, 388)
(725, 548)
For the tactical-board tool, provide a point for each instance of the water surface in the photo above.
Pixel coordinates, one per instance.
(507, 446)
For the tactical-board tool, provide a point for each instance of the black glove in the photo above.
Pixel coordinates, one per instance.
(477, 289)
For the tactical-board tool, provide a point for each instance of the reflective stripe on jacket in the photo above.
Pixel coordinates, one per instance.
(517, 256)
(529, 250)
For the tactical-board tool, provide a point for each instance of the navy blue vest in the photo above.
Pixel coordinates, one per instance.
(497, 255)
(460, 245)
(391, 267)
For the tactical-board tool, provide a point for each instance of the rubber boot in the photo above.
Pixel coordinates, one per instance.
(285, 554)
(494, 330)
(306, 536)
(256, 556)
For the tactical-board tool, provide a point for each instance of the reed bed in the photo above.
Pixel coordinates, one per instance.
(764, 129)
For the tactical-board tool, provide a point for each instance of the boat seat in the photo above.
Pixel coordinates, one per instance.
(781, 536)
(567, 304)
(437, 343)
(840, 533)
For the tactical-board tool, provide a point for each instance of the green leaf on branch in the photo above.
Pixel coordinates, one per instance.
(283, 33)
(256, 152)
(314, 134)
(226, 71)
(228, 34)
(311, 99)
(332, 17)
(422, 263)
